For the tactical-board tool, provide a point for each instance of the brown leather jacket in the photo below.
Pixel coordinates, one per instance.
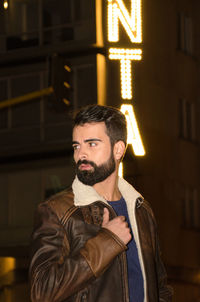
(75, 259)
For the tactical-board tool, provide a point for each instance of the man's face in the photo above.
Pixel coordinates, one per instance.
(92, 153)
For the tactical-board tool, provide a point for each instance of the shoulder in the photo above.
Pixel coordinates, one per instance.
(61, 203)
(146, 220)
(146, 207)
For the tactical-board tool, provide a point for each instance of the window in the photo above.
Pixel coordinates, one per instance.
(185, 33)
(186, 120)
(20, 124)
(85, 81)
(27, 113)
(57, 18)
(83, 10)
(190, 208)
(34, 23)
(21, 24)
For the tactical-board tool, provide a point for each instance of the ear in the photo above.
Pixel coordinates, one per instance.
(119, 149)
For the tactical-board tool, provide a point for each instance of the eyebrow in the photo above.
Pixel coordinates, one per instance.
(87, 141)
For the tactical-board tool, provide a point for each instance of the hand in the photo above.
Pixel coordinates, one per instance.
(118, 226)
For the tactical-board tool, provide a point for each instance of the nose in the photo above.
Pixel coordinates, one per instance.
(82, 153)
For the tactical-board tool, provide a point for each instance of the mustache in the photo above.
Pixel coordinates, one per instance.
(85, 162)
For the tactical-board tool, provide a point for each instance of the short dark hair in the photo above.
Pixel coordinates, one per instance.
(113, 118)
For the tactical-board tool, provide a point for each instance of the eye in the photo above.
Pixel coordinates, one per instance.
(75, 147)
(92, 144)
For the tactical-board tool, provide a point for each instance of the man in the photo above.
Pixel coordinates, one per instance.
(97, 242)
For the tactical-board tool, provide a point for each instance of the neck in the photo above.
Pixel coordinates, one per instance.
(108, 188)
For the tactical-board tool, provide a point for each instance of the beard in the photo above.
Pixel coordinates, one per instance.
(98, 173)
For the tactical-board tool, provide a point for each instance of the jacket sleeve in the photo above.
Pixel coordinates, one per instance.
(165, 291)
(155, 270)
(54, 274)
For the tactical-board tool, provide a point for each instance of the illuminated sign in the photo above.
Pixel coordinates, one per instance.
(132, 24)
(131, 20)
(125, 56)
(134, 138)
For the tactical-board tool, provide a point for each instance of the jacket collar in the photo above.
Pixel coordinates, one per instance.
(85, 195)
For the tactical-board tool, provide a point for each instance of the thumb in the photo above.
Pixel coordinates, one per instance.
(105, 216)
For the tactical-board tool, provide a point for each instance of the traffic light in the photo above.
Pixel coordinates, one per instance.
(61, 74)
(66, 83)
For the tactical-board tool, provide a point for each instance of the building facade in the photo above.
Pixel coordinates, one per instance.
(158, 78)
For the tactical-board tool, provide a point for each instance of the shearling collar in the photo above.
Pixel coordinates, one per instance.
(85, 195)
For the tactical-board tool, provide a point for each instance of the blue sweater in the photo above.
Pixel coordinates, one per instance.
(135, 278)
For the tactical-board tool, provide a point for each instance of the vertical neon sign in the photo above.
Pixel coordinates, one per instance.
(132, 23)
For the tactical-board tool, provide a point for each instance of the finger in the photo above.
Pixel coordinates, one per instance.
(105, 216)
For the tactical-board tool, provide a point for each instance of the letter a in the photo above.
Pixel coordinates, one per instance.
(133, 131)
